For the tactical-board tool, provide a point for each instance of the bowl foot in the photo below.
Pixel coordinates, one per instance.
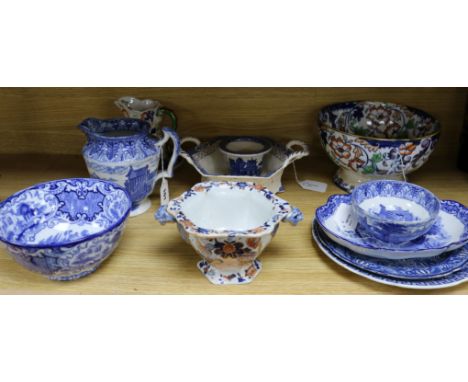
(243, 276)
(140, 208)
(73, 276)
(347, 179)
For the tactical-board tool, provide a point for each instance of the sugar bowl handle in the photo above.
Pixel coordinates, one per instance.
(184, 154)
(297, 154)
(169, 134)
(295, 216)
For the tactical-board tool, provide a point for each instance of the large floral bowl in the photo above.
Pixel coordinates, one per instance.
(64, 229)
(376, 140)
(228, 224)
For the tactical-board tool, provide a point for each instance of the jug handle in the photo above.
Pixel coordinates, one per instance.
(169, 134)
(165, 111)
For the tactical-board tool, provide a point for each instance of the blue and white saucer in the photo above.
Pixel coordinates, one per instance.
(408, 269)
(330, 249)
(449, 232)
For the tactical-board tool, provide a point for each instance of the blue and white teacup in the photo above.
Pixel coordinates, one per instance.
(393, 211)
(245, 155)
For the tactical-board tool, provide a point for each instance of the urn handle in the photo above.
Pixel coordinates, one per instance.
(169, 134)
(295, 216)
(296, 154)
(183, 153)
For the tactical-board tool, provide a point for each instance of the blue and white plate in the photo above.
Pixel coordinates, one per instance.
(329, 248)
(449, 232)
(409, 269)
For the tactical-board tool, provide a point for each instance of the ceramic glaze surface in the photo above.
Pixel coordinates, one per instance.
(245, 154)
(229, 224)
(449, 232)
(123, 151)
(372, 140)
(425, 268)
(208, 160)
(64, 229)
(394, 212)
(147, 110)
(330, 249)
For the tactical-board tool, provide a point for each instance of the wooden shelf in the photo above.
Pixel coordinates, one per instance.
(153, 259)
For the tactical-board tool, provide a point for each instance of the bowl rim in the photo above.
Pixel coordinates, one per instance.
(73, 242)
(265, 142)
(322, 126)
(358, 208)
(281, 209)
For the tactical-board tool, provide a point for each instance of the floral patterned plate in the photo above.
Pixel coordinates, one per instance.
(329, 248)
(419, 269)
(449, 232)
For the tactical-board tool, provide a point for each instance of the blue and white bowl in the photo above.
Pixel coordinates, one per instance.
(245, 154)
(392, 211)
(64, 229)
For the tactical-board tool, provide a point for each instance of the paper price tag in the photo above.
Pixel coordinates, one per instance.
(310, 185)
(313, 185)
(164, 192)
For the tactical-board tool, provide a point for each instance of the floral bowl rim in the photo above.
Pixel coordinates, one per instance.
(357, 207)
(343, 198)
(322, 126)
(72, 242)
(281, 209)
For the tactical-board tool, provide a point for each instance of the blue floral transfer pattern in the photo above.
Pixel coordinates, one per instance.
(329, 248)
(436, 238)
(64, 229)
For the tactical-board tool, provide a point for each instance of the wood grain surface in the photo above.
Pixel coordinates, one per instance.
(44, 120)
(153, 259)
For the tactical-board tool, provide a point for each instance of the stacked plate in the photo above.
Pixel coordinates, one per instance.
(437, 259)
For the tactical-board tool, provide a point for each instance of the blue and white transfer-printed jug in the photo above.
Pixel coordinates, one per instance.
(123, 151)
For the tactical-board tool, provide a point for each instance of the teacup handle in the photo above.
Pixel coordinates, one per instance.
(169, 134)
(295, 216)
(165, 111)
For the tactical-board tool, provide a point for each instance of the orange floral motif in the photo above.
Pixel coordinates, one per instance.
(187, 223)
(198, 188)
(357, 162)
(407, 148)
(340, 148)
(259, 187)
(250, 271)
(228, 248)
(253, 242)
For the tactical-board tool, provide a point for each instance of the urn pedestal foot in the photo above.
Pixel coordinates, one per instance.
(241, 276)
(347, 179)
(140, 208)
